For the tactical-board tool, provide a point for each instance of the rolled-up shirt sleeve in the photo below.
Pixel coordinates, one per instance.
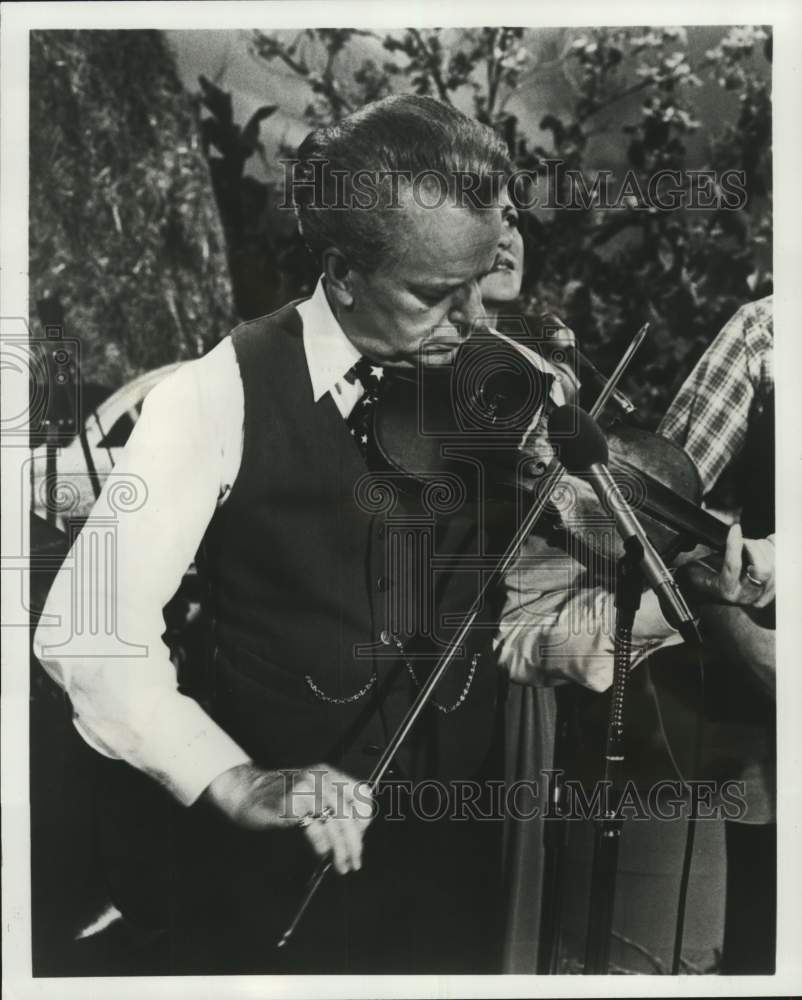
(710, 414)
(558, 621)
(100, 633)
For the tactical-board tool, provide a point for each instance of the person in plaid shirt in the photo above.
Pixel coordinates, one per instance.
(710, 414)
(723, 416)
(730, 390)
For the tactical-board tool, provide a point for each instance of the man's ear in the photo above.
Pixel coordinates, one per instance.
(339, 278)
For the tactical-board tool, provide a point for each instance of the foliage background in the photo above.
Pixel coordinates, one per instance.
(623, 99)
(125, 230)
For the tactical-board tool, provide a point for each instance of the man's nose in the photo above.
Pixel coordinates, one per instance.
(467, 313)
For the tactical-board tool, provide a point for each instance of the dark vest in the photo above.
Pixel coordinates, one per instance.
(314, 566)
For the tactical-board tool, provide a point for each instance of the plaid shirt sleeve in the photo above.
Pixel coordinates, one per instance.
(710, 414)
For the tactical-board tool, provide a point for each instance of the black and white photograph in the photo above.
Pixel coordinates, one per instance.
(401, 552)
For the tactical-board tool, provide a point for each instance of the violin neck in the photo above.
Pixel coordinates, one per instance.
(683, 516)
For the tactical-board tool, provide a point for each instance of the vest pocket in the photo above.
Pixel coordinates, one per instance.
(239, 668)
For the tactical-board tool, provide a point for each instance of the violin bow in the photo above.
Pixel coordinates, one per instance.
(551, 478)
(612, 382)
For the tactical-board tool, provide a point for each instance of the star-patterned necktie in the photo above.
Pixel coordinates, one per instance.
(360, 420)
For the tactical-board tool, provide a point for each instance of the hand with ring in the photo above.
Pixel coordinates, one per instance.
(747, 575)
(323, 816)
(340, 812)
(331, 808)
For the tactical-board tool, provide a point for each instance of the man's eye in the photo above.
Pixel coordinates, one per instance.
(432, 297)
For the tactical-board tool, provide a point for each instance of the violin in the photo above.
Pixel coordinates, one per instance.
(429, 420)
(487, 404)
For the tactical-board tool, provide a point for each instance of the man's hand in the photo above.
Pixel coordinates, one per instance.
(746, 575)
(333, 809)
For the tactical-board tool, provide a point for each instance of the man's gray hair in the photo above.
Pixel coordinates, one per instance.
(347, 178)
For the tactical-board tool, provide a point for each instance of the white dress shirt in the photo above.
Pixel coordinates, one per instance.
(100, 632)
(184, 454)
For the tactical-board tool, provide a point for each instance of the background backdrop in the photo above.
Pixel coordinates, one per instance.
(156, 176)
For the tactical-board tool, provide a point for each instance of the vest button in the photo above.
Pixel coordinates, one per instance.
(372, 749)
(382, 584)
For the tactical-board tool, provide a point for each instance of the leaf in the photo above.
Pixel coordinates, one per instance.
(553, 124)
(250, 134)
(216, 100)
(214, 133)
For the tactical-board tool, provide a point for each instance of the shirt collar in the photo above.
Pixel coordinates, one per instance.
(329, 353)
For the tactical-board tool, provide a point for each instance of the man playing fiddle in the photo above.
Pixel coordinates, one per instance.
(256, 457)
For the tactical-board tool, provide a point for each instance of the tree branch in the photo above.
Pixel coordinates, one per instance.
(431, 65)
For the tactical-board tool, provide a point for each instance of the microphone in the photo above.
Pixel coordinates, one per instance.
(582, 448)
(550, 327)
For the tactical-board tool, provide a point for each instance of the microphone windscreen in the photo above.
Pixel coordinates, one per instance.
(577, 438)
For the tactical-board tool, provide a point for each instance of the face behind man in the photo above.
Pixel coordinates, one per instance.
(422, 300)
(503, 283)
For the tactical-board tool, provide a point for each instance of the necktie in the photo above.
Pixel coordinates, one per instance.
(360, 420)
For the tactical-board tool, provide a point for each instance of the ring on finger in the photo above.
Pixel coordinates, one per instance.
(325, 814)
(755, 580)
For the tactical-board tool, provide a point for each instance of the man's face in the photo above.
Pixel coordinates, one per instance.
(424, 301)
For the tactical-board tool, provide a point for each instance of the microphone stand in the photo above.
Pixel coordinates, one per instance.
(554, 842)
(555, 822)
(609, 826)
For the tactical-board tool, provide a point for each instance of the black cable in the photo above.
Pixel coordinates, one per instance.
(684, 883)
(687, 858)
